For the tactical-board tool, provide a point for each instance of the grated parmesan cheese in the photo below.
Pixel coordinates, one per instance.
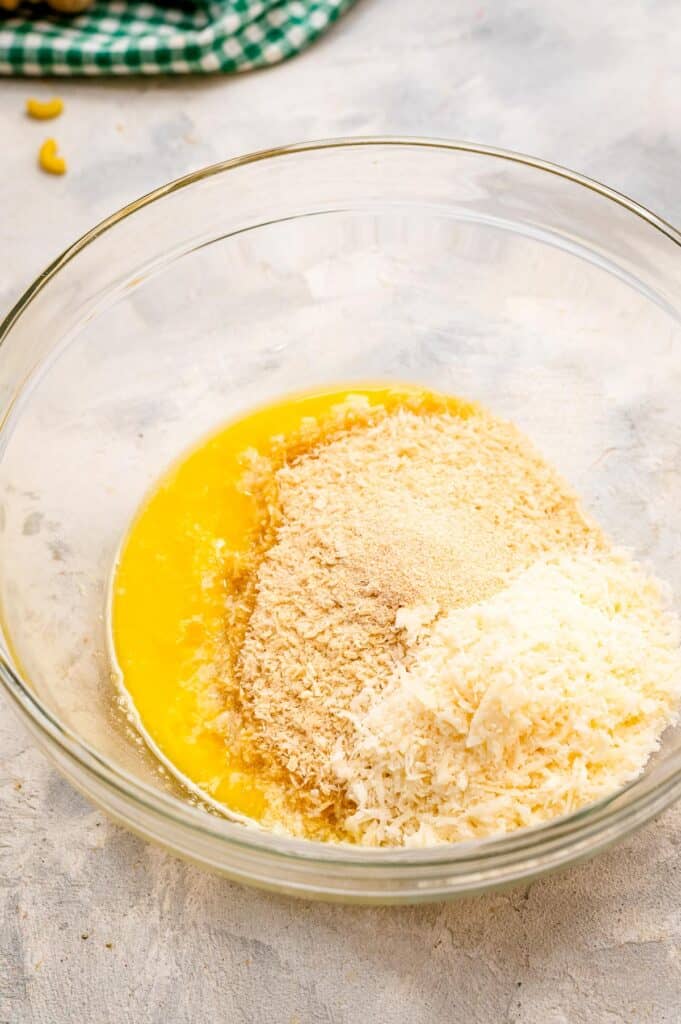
(546, 696)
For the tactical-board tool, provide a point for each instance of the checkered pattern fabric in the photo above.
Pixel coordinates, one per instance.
(123, 37)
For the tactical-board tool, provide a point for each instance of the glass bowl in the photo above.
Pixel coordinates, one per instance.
(550, 298)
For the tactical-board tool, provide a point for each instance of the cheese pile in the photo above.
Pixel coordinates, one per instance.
(520, 708)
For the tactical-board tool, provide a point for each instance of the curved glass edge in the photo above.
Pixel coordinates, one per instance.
(310, 146)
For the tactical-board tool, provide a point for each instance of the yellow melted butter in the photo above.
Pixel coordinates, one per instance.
(168, 591)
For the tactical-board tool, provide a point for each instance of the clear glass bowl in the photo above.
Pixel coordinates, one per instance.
(547, 296)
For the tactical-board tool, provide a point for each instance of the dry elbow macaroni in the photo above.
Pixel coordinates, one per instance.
(49, 158)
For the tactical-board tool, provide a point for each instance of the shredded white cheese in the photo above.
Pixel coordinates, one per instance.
(547, 695)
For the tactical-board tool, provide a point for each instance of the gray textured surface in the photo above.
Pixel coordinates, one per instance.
(96, 926)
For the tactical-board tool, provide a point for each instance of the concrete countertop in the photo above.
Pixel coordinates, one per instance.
(94, 924)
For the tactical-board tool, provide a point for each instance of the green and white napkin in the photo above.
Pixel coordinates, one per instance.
(124, 37)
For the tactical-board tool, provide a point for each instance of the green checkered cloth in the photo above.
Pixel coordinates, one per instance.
(123, 37)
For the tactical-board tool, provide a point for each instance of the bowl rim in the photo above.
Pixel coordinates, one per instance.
(530, 842)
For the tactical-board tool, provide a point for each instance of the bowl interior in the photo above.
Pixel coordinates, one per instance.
(553, 303)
